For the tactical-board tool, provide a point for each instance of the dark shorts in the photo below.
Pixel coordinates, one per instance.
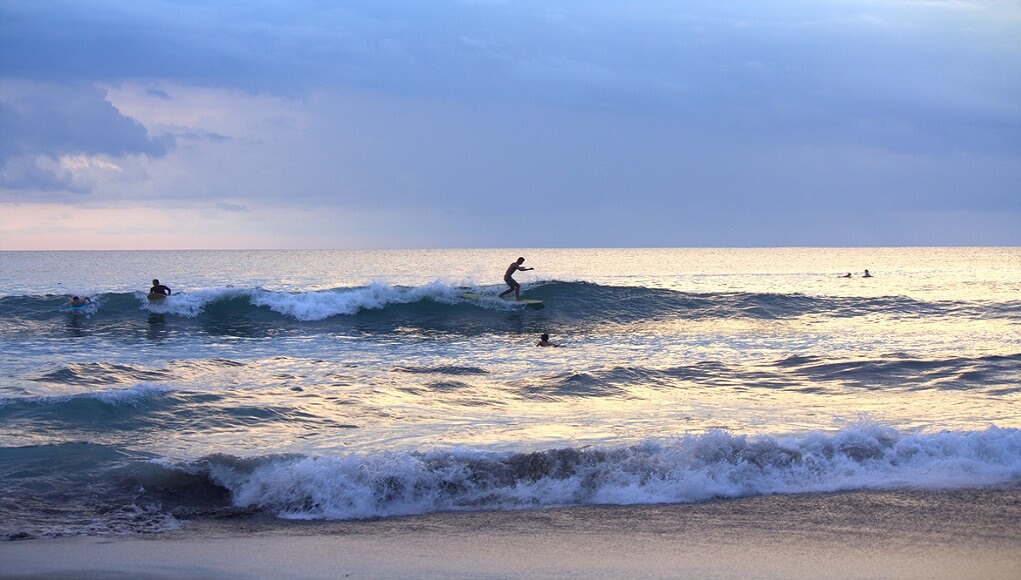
(511, 282)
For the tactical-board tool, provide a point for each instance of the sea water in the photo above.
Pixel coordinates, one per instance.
(359, 384)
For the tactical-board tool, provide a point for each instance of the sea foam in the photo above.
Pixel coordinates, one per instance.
(129, 396)
(307, 306)
(687, 469)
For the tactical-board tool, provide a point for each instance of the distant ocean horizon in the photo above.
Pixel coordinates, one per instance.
(522, 248)
(346, 384)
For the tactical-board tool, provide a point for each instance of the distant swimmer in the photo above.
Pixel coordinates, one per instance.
(158, 290)
(78, 302)
(848, 275)
(867, 275)
(544, 341)
(508, 277)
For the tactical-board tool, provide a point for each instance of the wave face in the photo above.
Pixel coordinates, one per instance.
(114, 490)
(439, 306)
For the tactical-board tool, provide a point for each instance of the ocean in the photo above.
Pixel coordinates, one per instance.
(351, 385)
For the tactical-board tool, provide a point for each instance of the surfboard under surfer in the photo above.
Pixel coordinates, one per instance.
(508, 277)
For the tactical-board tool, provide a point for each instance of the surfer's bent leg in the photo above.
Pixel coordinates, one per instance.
(513, 286)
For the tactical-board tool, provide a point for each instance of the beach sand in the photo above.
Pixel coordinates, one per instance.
(901, 534)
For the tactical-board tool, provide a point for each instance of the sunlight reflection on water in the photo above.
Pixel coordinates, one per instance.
(749, 340)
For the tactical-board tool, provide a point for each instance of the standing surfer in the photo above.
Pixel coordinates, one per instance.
(508, 277)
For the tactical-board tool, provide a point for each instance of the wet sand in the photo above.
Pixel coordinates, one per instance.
(904, 534)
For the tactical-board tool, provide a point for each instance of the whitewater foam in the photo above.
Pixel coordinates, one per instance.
(189, 304)
(310, 306)
(683, 470)
(129, 396)
(306, 306)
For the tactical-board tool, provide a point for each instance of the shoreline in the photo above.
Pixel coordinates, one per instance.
(889, 534)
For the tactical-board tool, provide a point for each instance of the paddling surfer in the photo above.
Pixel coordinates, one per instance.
(159, 289)
(508, 277)
(78, 302)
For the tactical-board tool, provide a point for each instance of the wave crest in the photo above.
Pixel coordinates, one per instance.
(578, 302)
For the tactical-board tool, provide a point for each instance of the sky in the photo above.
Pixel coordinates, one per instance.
(180, 124)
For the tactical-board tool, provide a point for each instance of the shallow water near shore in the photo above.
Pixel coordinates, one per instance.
(894, 534)
(346, 385)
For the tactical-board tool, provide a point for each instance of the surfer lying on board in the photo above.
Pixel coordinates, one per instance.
(544, 341)
(158, 289)
(77, 302)
(509, 278)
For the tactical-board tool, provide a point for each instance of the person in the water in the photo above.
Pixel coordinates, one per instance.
(508, 277)
(159, 289)
(544, 341)
(867, 275)
(78, 302)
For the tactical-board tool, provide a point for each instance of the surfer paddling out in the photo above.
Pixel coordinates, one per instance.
(78, 302)
(158, 291)
(508, 277)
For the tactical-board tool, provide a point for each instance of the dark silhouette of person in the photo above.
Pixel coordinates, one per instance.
(508, 277)
(544, 341)
(159, 289)
(78, 302)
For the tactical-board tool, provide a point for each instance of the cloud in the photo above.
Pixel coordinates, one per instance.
(37, 174)
(814, 63)
(605, 120)
(159, 93)
(234, 207)
(56, 120)
(49, 129)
